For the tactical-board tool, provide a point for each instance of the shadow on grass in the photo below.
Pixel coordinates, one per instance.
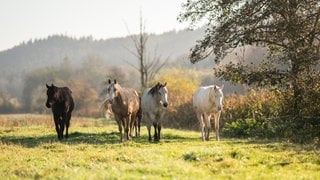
(87, 138)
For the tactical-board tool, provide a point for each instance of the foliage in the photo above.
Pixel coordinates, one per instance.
(267, 114)
(84, 81)
(289, 29)
(94, 152)
(8, 104)
(246, 115)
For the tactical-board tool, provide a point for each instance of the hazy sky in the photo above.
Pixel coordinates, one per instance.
(22, 20)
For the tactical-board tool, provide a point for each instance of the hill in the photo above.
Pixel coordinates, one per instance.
(53, 51)
(116, 51)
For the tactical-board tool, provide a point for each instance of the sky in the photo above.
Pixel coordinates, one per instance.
(22, 20)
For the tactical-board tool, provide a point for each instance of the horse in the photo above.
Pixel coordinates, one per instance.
(61, 103)
(125, 106)
(153, 102)
(137, 123)
(208, 100)
(106, 110)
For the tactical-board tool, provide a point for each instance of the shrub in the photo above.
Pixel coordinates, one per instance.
(267, 114)
(253, 114)
(181, 86)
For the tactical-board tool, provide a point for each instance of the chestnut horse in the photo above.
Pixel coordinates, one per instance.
(106, 110)
(61, 103)
(207, 100)
(125, 106)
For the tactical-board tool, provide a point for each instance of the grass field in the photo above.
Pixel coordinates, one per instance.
(29, 149)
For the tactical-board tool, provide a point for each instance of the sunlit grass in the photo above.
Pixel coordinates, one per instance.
(93, 151)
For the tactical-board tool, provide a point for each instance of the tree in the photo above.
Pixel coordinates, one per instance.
(147, 67)
(288, 28)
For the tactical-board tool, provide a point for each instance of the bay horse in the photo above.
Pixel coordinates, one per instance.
(208, 100)
(61, 103)
(153, 102)
(125, 106)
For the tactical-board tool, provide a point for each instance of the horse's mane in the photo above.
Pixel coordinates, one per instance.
(154, 89)
(64, 92)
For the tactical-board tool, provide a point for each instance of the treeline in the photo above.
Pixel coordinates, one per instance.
(85, 80)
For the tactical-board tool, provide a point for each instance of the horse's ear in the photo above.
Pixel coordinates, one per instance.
(47, 86)
(52, 85)
(109, 81)
(165, 84)
(222, 87)
(115, 81)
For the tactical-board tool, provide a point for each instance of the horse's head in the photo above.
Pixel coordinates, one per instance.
(112, 90)
(163, 93)
(53, 94)
(218, 96)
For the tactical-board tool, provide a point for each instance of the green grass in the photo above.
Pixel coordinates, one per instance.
(93, 151)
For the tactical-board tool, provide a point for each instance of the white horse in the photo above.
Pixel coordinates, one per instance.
(153, 102)
(207, 100)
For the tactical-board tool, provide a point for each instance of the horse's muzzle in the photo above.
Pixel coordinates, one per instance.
(49, 105)
(165, 105)
(109, 101)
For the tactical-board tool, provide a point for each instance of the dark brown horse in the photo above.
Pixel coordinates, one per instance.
(61, 102)
(125, 106)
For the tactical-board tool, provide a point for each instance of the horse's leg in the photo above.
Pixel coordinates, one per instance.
(139, 124)
(155, 125)
(135, 126)
(56, 123)
(120, 130)
(200, 119)
(127, 127)
(149, 132)
(132, 123)
(126, 124)
(216, 124)
(159, 130)
(149, 120)
(119, 121)
(68, 124)
(62, 124)
(207, 118)
(160, 124)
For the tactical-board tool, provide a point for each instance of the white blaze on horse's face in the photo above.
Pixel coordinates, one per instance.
(219, 96)
(111, 91)
(164, 95)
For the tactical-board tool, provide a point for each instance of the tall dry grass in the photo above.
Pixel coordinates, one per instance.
(12, 120)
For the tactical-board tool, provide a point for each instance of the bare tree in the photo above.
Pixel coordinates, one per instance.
(148, 66)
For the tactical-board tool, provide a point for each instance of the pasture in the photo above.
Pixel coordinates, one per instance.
(29, 149)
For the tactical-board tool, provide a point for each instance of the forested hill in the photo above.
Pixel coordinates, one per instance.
(117, 51)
